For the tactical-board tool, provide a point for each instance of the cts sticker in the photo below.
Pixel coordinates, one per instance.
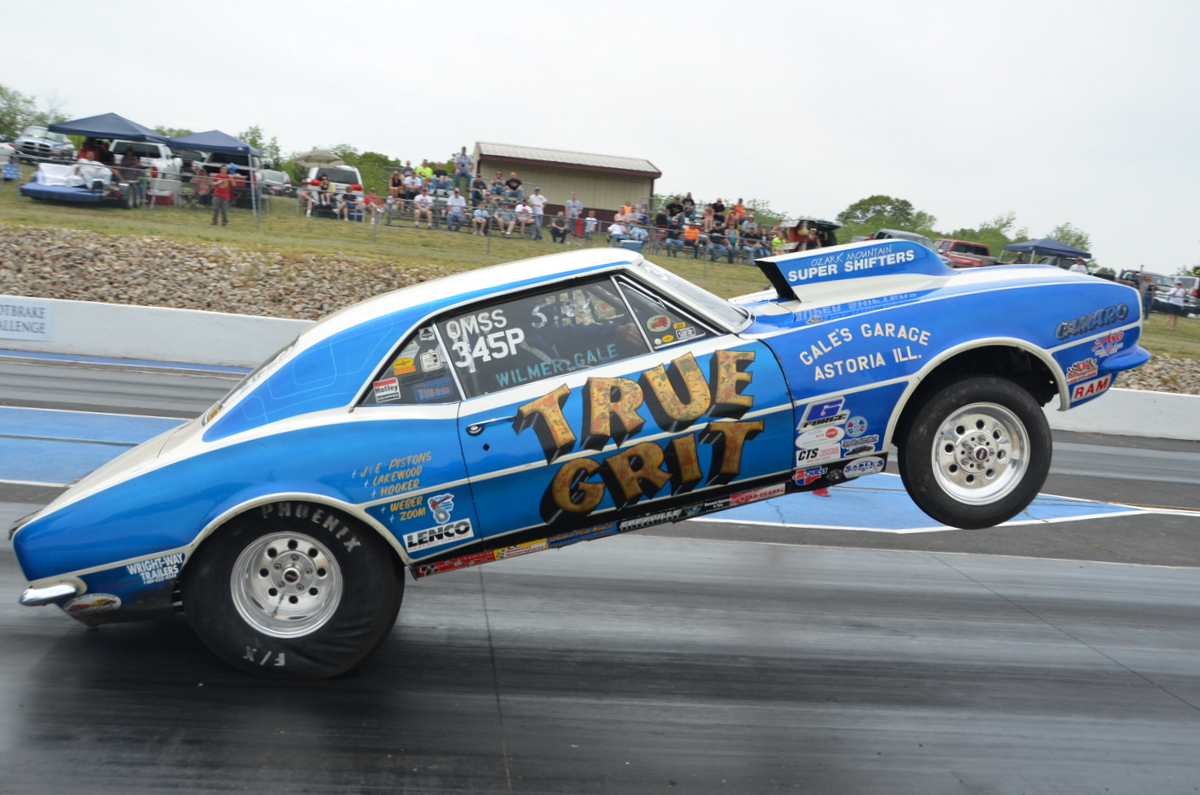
(818, 455)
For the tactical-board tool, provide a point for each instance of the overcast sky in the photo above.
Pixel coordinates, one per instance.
(1083, 112)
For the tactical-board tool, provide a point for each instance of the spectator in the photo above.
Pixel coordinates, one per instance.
(706, 221)
(574, 208)
(423, 204)
(1175, 301)
(479, 187)
(716, 243)
(672, 243)
(718, 212)
(689, 206)
(590, 224)
(464, 165)
(325, 194)
(373, 204)
(442, 183)
(749, 225)
(131, 165)
(626, 212)
(524, 215)
(1146, 288)
(733, 240)
(479, 219)
(505, 219)
(408, 167)
(347, 204)
(104, 155)
(777, 242)
(616, 232)
(498, 184)
(736, 213)
(752, 242)
(412, 186)
(439, 170)
(538, 202)
(202, 185)
(674, 207)
(222, 193)
(89, 150)
(691, 238)
(513, 186)
(1078, 267)
(395, 184)
(812, 240)
(424, 171)
(638, 232)
(455, 207)
(558, 228)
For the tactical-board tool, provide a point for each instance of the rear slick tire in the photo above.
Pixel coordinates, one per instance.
(977, 453)
(293, 590)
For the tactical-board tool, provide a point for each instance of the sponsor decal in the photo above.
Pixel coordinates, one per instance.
(863, 466)
(658, 323)
(1082, 371)
(856, 426)
(679, 325)
(587, 534)
(686, 333)
(426, 334)
(408, 508)
(667, 338)
(441, 506)
(803, 477)
(651, 519)
(522, 549)
(431, 361)
(820, 437)
(1109, 344)
(861, 444)
(436, 536)
(435, 389)
(1091, 388)
(1085, 324)
(92, 603)
(387, 390)
(462, 562)
(761, 493)
(404, 366)
(156, 570)
(818, 455)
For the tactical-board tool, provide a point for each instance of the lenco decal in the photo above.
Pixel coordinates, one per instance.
(442, 534)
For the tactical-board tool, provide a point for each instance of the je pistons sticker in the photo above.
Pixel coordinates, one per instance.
(387, 390)
(658, 323)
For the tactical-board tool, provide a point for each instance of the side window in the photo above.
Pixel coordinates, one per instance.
(419, 373)
(541, 335)
(663, 324)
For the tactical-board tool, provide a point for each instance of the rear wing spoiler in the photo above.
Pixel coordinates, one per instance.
(860, 260)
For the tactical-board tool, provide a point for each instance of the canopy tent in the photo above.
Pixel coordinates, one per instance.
(108, 125)
(1048, 246)
(318, 157)
(214, 141)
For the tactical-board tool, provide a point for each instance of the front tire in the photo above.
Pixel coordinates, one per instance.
(304, 595)
(977, 452)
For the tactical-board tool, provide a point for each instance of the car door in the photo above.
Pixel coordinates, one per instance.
(602, 400)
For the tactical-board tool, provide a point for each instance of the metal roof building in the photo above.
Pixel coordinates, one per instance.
(603, 182)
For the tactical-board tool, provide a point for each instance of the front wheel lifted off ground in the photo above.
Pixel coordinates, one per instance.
(977, 453)
(293, 590)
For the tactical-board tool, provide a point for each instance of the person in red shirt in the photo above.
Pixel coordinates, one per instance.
(222, 191)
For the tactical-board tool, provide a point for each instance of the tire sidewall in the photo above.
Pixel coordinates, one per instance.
(916, 465)
(370, 598)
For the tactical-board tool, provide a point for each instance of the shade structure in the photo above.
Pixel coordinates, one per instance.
(214, 141)
(1048, 246)
(108, 125)
(318, 157)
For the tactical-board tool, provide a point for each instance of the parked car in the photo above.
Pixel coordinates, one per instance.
(340, 177)
(37, 144)
(538, 404)
(7, 153)
(277, 183)
(965, 253)
(1191, 304)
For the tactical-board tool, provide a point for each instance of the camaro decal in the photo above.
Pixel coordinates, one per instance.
(677, 398)
(1108, 316)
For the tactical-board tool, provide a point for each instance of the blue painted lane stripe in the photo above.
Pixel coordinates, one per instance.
(54, 462)
(74, 357)
(81, 426)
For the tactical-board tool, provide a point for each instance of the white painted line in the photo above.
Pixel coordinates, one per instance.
(937, 529)
(32, 483)
(180, 420)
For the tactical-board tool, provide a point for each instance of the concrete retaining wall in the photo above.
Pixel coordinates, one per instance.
(186, 335)
(153, 333)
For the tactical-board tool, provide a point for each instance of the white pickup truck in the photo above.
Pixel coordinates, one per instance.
(160, 166)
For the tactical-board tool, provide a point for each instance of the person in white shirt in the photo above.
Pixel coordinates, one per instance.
(1175, 305)
(1078, 267)
(524, 215)
(456, 205)
(616, 233)
(424, 206)
(538, 202)
(589, 225)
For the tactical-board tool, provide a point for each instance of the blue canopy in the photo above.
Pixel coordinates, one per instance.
(1048, 246)
(214, 141)
(108, 125)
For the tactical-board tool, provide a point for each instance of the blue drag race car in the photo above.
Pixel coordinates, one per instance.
(538, 404)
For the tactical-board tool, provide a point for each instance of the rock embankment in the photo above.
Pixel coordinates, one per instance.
(151, 271)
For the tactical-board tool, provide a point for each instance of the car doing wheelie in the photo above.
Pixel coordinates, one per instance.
(535, 405)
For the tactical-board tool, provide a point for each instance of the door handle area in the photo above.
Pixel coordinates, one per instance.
(476, 428)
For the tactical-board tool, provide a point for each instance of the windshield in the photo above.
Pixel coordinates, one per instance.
(141, 150)
(275, 176)
(735, 316)
(342, 175)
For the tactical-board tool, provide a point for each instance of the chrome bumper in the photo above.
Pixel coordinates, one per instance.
(34, 597)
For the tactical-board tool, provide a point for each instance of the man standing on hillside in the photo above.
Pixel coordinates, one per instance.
(538, 202)
(222, 191)
(463, 167)
(574, 209)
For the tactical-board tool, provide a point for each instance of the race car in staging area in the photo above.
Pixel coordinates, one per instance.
(534, 405)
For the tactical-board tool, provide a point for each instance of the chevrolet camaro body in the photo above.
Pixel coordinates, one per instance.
(546, 402)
